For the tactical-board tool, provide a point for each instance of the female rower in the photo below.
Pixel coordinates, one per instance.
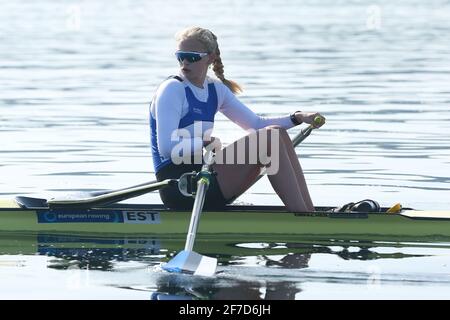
(182, 117)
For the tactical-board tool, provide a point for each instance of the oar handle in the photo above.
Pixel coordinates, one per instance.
(306, 131)
(318, 120)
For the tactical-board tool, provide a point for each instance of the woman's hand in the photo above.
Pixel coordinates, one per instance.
(308, 117)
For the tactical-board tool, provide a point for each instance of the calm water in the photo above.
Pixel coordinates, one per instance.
(76, 78)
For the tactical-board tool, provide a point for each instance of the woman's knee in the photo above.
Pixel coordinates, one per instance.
(273, 127)
(273, 134)
(275, 130)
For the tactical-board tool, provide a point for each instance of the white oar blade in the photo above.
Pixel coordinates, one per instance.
(193, 263)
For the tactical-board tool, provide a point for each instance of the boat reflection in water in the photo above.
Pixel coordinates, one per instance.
(250, 271)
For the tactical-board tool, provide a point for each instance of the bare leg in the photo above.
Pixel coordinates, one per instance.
(288, 182)
(289, 176)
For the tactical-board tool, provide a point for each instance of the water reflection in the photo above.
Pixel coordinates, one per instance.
(95, 253)
(246, 270)
(93, 250)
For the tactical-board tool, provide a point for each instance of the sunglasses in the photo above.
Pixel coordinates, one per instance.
(190, 56)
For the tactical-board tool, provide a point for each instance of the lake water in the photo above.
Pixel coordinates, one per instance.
(76, 78)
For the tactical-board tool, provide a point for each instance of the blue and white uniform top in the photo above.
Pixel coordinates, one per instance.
(182, 117)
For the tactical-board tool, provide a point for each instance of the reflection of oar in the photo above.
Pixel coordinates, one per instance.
(187, 260)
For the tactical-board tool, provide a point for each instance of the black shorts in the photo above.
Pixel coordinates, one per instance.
(172, 197)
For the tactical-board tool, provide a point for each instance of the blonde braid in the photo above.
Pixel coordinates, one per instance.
(209, 40)
(218, 70)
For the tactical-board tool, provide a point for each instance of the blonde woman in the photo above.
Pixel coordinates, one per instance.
(182, 117)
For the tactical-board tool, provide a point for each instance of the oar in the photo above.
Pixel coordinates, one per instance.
(102, 198)
(188, 261)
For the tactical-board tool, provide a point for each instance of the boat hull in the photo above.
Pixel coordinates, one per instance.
(257, 225)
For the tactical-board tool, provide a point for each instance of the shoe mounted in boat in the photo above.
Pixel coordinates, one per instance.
(366, 205)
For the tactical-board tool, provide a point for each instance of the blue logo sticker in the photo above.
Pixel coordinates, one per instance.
(98, 216)
(79, 216)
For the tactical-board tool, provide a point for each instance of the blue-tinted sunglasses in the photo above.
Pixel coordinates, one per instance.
(190, 56)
